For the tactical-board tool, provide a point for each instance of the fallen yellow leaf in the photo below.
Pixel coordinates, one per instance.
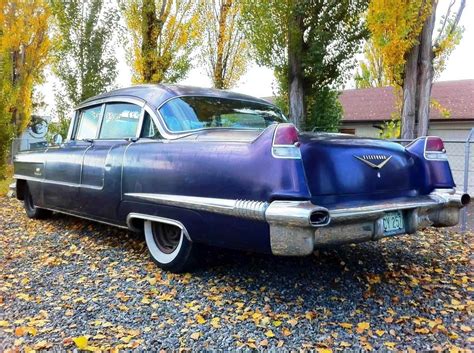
(380, 333)
(422, 330)
(200, 320)
(215, 322)
(81, 342)
(293, 322)
(362, 326)
(195, 336)
(390, 344)
(269, 334)
(323, 350)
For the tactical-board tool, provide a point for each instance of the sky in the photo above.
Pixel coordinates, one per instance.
(260, 81)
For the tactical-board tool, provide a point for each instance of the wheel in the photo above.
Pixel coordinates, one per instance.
(169, 247)
(31, 210)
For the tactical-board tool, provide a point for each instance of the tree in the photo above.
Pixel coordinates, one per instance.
(403, 33)
(164, 34)
(371, 70)
(24, 53)
(85, 61)
(310, 44)
(326, 111)
(225, 50)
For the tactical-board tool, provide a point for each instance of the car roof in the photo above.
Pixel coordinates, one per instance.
(157, 94)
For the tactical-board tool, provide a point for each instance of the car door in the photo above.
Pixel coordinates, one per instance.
(64, 163)
(100, 190)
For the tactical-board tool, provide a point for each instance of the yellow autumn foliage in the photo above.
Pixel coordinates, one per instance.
(395, 26)
(24, 48)
(225, 51)
(163, 35)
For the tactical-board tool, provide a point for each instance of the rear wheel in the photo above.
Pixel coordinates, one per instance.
(31, 210)
(169, 247)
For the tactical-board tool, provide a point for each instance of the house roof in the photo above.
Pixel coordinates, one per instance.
(377, 104)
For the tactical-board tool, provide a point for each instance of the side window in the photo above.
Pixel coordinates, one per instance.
(120, 121)
(88, 122)
(149, 129)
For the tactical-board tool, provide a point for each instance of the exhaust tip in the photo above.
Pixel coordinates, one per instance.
(465, 199)
(319, 218)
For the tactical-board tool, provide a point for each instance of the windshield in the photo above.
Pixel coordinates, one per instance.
(192, 113)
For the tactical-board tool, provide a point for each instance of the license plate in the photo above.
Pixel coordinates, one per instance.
(393, 223)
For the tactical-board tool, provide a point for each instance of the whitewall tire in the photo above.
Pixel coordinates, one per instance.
(168, 245)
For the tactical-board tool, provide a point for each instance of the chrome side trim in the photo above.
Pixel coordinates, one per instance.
(85, 217)
(238, 208)
(62, 183)
(146, 217)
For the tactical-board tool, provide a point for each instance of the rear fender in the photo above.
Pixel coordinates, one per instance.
(437, 173)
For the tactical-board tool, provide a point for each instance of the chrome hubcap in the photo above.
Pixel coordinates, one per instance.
(166, 237)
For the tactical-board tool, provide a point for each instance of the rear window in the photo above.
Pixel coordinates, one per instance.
(193, 113)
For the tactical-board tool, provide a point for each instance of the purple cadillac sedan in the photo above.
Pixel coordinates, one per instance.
(190, 166)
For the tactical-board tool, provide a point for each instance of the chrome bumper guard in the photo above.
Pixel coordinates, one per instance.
(298, 227)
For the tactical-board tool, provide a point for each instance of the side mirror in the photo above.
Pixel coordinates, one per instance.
(57, 139)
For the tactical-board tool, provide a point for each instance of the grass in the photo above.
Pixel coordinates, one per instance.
(5, 183)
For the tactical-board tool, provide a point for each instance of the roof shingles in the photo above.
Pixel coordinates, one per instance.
(377, 104)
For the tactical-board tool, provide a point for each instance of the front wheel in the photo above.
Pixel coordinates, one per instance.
(169, 247)
(31, 210)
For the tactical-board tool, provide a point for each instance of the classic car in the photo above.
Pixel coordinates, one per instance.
(191, 166)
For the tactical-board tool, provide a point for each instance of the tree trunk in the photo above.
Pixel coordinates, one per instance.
(409, 94)
(425, 73)
(219, 74)
(295, 69)
(149, 40)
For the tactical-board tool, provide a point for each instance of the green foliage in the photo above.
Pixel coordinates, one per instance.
(449, 36)
(325, 111)
(60, 127)
(390, 129)
(371, 69)
(85, 62)
(332, 35)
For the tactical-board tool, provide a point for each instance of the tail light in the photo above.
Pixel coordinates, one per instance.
(434, 148)
(286, 142)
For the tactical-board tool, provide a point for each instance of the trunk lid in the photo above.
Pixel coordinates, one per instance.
(340, 167)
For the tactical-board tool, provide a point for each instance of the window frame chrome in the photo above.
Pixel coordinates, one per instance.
(115, 99)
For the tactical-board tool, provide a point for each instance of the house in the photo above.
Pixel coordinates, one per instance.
(365, 110)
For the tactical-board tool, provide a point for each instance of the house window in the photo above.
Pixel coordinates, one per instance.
(345, 130)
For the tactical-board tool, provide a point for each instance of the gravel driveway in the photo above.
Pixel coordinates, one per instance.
(67, 283)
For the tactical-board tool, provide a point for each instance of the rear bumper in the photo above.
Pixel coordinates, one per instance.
(298, 227)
